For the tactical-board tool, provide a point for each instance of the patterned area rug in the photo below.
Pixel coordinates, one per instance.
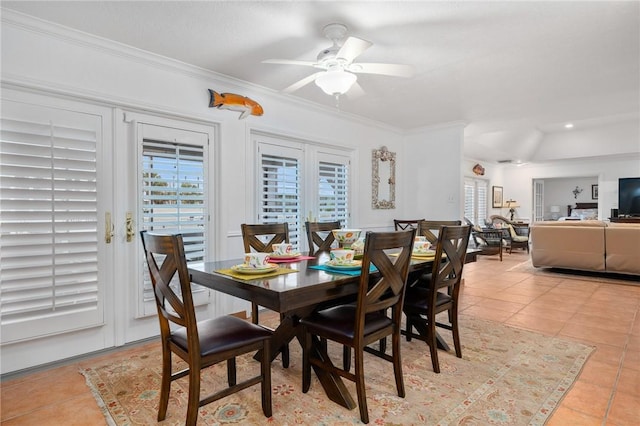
(506, 376)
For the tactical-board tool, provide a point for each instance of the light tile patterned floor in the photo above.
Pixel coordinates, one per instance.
(596, 313)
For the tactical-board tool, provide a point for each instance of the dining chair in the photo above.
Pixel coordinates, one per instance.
(315, 230)
(405, 224)
(356, 325)
(422, 304)
(200, 344)
(260, 237)
(431, 228)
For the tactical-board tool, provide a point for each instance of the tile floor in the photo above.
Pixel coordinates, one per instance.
(597, 313)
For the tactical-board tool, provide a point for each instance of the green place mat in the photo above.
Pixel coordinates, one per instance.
(248, 277)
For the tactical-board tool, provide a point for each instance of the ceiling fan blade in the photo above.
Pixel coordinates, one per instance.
(398, 70)
(355, 91)
(298, 84)
(288, 62)
(353, 47)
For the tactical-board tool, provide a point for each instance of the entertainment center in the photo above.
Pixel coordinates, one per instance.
(628, 201)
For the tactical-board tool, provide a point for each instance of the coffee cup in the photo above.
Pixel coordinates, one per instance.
(282, 249)
(342, 256)
(421, 246)
(256, 260)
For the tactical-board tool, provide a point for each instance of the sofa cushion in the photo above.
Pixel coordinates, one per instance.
(568, 245)
(622, 248)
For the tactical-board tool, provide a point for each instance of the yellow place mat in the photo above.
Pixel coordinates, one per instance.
(247, 277)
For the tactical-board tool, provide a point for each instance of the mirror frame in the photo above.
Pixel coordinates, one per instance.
(380, 158)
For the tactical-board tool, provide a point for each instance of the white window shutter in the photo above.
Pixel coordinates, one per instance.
(173, 198)
(49, 227)
(333, 189)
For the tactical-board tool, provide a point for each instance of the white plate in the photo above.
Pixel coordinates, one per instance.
(350, 267)
(285, 256)
(243, 269)
(428, 253)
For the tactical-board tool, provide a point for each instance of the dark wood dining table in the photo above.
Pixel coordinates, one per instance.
(294, 295)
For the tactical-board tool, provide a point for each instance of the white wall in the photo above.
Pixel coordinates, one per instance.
(432, 170)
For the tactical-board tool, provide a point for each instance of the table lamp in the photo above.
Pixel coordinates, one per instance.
(511, 205)
(554, 212)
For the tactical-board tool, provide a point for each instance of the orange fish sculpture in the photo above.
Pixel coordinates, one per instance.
(234, 102)
(478, 169)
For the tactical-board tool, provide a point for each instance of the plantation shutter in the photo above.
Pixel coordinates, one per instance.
(173, 198)
(279, 194)
(49, 253)
(333, 189)
(476, 200)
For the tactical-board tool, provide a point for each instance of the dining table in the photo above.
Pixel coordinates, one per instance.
(295, 290)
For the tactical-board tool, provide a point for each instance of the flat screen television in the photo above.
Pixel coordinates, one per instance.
(629, 196)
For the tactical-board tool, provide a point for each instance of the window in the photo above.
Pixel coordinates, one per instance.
(50, 242)
(172, 193)
(299, 181)
(333, 188)
(279, 189)
(476, 200)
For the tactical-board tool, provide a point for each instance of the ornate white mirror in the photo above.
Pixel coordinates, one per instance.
(383, 181)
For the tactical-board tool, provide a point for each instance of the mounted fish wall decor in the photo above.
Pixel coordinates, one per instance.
(478, 170)
(234, 102)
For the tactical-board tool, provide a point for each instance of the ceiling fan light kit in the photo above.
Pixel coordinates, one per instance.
(336, 82)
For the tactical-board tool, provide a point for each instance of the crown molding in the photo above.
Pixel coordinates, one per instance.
(117, 49)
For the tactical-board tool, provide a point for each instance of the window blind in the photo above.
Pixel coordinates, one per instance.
(279, 192)
(173, 200)
(476, 200)
(49, 227)
(333, 202)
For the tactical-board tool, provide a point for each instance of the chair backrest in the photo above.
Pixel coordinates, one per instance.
(447, 270)
(431, 228)
(405, 224)
(314, 235)
(388, 289)
(169, 251)
(277, 232)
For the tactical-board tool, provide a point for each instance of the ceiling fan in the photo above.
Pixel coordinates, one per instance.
(338, 73)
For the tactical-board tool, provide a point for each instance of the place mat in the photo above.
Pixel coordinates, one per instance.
(294, 259)
(353, 273)
(249, 277)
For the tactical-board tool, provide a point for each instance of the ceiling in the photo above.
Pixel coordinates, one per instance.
(514, 71)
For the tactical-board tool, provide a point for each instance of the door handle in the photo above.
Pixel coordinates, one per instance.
(108, 228)
(130, 232)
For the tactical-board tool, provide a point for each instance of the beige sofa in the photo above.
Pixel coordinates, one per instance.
(588, 245)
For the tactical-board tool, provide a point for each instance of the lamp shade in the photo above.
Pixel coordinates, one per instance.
(554, 209)
(336, 82)
(511, 204)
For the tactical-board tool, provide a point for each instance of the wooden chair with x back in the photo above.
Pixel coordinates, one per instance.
(260, 237)
(356, 325)
(199, 344)
(422, 304)
(405, 224)
(315, 232)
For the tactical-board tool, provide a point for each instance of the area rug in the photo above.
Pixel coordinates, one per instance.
(601, 277)
(506, 376)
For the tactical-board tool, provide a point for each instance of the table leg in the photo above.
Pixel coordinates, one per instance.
(332, 384)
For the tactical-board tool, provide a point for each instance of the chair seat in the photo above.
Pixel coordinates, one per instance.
(416, 299)
(338, 323)
(228, 333)
(519, 238)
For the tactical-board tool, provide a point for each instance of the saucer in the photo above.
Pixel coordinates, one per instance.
(244, 269)
(344, 266)
(285, 256)
(428, 253)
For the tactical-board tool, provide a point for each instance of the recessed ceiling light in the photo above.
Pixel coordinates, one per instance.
(568, 126)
